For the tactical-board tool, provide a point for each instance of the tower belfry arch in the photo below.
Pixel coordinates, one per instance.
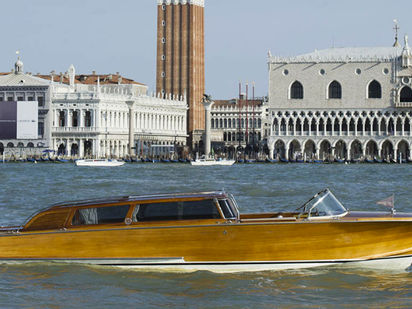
(180, 62)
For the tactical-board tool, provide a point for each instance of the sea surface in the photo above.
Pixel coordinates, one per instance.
(27, 187)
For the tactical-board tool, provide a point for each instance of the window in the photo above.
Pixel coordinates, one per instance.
(1, 99)
(41, 101)
(296, 90)
(30, 99)
(185, 210)
(62, 119)
(100, 215)
(40, 129)
(374, 90)
(10, 99)
(335, 90)
(88, 119)
(75, 119)
(406, 94)
(228, 212)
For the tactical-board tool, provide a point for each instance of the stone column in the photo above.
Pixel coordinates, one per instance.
(130, 104)
(81, 118)
(208, 107)
(81, 148)
(287, 152)
(69, 118)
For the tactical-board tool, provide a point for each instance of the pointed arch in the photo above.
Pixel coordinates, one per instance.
(313, 126)
(355, 149)
(298, 126)
(309, 149)
(344, 126)
(306, 125)
(368, 126)
(340, 149)
(335, 90)
(407, 125)
(329, 125)
(374, 90)
(359, 125)
(406, 94)
(296, 91)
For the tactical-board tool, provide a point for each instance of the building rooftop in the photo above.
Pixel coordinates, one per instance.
(13, 79)
(344, 54)
(91, 79)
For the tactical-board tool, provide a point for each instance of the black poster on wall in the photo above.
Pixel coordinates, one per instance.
(8, 120)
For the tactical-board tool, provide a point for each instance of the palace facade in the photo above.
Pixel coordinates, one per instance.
(342, 103)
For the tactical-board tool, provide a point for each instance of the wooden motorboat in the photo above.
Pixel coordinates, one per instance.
(205, 231)
(98, 162)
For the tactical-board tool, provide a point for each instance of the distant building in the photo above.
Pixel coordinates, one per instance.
(239, 122)
(25, 105)
(342, 103)
(89, 115)
(181, 58)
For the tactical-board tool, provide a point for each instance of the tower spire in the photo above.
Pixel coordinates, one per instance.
(396, 28)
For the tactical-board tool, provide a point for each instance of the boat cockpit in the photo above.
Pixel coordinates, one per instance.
(323, 205)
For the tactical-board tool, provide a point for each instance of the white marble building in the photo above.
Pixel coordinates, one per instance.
(93, 119)
(17, 86)
(342, 103)
(89, 116)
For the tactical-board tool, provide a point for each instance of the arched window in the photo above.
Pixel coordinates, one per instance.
(296, 90)
(335, 90)
(374, 90)
(406, 94)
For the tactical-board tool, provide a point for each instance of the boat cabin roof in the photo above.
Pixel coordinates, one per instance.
(140, 198)
(57, 216)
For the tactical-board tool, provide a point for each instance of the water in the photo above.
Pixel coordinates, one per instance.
(25, 188)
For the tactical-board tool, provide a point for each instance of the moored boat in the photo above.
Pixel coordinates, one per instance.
(205, 231)
(98, 162)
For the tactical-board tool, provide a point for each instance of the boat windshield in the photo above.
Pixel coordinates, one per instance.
(324, 204)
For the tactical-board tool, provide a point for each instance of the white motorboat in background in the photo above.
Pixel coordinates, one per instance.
(98, 162)
(208, 162)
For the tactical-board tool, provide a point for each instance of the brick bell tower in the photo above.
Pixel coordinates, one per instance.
(181, 58)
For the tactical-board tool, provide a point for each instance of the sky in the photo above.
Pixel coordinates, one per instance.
(120, 36)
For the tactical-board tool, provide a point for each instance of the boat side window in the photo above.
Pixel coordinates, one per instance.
(205, 209)
(227, 210)
(183, 210)
(100, 215)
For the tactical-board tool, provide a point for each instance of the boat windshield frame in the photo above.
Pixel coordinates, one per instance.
(323, 205)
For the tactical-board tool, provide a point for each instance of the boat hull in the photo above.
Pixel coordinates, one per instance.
(217, 247)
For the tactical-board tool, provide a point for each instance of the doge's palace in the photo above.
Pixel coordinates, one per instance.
(342, 104)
